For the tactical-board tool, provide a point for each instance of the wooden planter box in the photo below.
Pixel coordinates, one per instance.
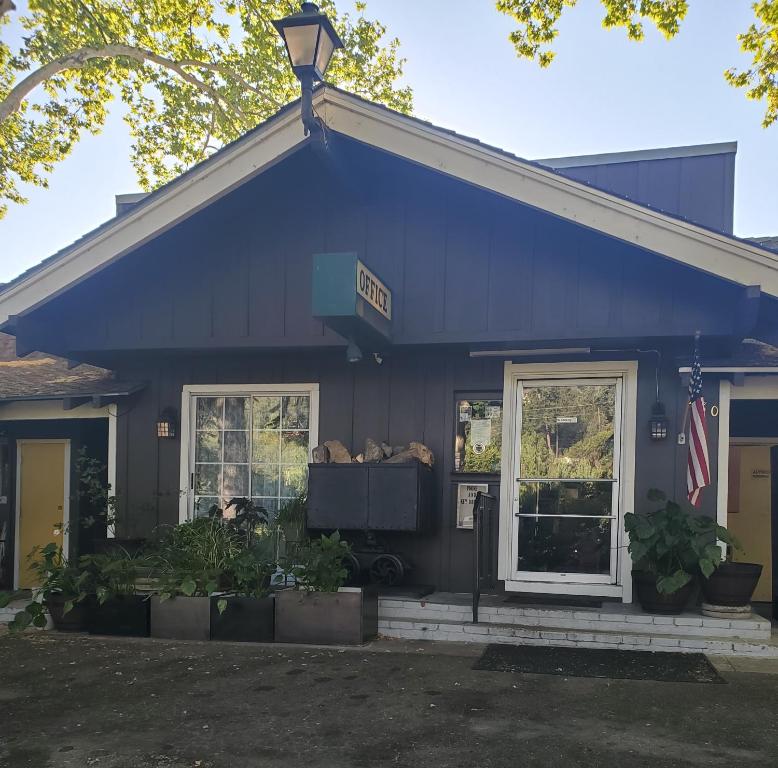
(181, 618)
(346, 617)
(129, 615)
(245, 619)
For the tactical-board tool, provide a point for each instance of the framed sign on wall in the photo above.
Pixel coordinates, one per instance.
(466, 493)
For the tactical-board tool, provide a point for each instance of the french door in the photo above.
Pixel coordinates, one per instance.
(565, 521)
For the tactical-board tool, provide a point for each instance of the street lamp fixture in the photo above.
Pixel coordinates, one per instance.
(310, 41)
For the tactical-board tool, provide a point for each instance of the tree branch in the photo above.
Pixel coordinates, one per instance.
(6, 6)
(80, 58)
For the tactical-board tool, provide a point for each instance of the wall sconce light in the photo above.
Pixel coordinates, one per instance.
(658, 422)
(166, 423)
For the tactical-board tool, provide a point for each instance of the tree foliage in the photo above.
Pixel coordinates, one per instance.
(192, 74)
(538, 29)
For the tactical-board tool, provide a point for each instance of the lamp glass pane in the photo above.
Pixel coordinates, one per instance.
(301, 44)
(324, 54)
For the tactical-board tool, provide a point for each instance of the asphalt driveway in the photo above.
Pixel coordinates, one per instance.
(83, 701)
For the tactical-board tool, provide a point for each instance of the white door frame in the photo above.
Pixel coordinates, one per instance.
(752, 388)
(514, 373)
(18, 499)
(187, 421)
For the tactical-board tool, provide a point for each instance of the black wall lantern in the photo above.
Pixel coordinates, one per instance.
(310, 41)
(658, 422)
(166, 423)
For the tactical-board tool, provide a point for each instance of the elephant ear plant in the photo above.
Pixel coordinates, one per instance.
(673, 546)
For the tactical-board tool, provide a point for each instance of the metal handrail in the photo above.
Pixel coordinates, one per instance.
(483, 507)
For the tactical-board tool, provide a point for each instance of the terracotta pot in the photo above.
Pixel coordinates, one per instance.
(72, 621)
(652, 601)
(732, 584)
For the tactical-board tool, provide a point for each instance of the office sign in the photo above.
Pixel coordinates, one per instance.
(373, 291)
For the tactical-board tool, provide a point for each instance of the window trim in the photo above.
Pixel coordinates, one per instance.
(190, 391)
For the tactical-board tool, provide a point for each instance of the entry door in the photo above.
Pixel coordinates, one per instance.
(749, 511)
(42, 491)
(566, 499)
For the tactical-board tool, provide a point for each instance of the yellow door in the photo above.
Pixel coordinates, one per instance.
(749, 514)
(41, 500)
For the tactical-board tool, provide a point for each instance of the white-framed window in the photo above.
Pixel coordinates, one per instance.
(251, 441)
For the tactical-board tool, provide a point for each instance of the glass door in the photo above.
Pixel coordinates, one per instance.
(565, 511)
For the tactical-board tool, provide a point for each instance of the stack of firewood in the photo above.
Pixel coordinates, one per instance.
(333, 451)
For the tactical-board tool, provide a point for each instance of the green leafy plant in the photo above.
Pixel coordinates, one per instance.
(673, 545)
(58, 579)
(114, 573)
(319, 564)
(196, 557)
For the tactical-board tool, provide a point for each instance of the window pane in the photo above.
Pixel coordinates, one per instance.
(567, 431)
(203, 505)
(295, 412)
(236, 413)
(267, 412)
(294, 479)
(236, 481)
(209, 412)
(564, 544)
(208, 446)
(236, 446)
(588, 498)
(269, 504)
(207, 479)
(264, 480)
(478, 442)
(266, 447)
(294, 447)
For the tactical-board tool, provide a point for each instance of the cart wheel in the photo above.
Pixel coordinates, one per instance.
(387, 570)
(351, 564)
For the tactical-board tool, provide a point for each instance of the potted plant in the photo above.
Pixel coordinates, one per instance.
(244, 610)
(193, 562)
(732, 584)
(62, 592)
(669, 547)
(117, 609)
(319, 609)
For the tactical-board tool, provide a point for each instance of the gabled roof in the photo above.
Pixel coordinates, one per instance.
(739, 261)
(46, 377)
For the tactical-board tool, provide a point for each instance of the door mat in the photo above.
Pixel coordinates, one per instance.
(411, 591)
(572, 601)
(661, 666)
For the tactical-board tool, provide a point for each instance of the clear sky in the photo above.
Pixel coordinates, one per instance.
(601, 94)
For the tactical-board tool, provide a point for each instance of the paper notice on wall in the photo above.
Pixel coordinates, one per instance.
(465, 412)
(480, 434)
(466, 493)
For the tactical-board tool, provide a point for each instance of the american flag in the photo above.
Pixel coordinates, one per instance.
(697, 465)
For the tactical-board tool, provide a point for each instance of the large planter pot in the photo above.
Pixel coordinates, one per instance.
(732, 584)
(128, 615)
(652, 601)
(72, 621)
(245, 619)
(181, 618)
(346, 617)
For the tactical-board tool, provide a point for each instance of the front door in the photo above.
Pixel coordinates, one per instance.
(41, 501)
(566, 469)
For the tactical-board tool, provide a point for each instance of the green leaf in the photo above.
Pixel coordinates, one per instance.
(221, 605)
(188, 587)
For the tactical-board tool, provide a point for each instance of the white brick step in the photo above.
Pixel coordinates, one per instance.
(7, 614)
(492, 632)
(612, 620)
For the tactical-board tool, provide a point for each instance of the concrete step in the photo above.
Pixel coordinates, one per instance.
(7, 614)
(613, 618)
(641, 638)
